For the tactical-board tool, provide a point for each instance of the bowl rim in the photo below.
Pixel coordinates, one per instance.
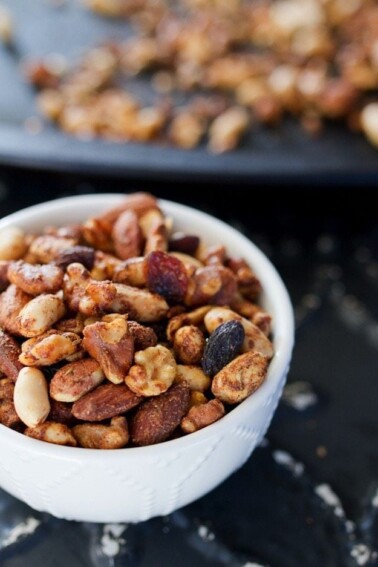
(283, 327)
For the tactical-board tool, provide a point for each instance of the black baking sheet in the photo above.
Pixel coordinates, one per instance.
(46, 26)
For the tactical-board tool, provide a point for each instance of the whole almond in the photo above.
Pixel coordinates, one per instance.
(31, 399)
(9, 353)
(75, 380)
(106, 401)
(158, 417)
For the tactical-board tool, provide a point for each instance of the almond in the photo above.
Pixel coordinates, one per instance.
(104, 402)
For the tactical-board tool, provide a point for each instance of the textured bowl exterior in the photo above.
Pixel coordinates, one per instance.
(135, 484)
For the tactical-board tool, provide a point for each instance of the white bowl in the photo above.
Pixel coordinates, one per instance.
(135, 484)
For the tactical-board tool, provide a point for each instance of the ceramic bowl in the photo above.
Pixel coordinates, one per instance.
(135, 484)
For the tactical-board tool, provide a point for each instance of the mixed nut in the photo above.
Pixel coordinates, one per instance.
(232, 63)
(122, 332)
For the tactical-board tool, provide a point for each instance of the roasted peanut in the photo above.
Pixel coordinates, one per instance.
(52, 432)
(31, 399)
(202, 415)
(189, 344)
(194, 377)
(96, 436)
(112, 346)
(254, 337)
(40, 314)
(153, 373)
(197, 398)
(75, 380)
(104, 402)
(12, 243)
(49, 348)
(240, 378)
(127, 235)
(10, 350)
(12, 300)
(35, 279)
(194, 317)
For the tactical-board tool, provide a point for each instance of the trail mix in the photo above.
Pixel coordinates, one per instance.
(235, 62)
(122, 332)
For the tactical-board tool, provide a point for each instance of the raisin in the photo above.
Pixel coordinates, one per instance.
(185, 243)
(167, 276)
(222, 347)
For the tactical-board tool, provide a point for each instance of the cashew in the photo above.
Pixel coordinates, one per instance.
(153, 373)
(194, 376)
(240, 378)
(49, 348)
(40, 314)
(254, 338)
(52, 432)
(97, 436)
(31, 398)
(35, 279)
(75, 379)
(12, 243)
(189, 344)
(202, 415)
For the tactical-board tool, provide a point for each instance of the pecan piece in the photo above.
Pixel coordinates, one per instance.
(35, 279)
(10, 350)
(202, 415)
(240, 378)
(12, 300)
(157, 418)
(97, 436)
(111, 344)
(106, 401)
(144, 337)
(75, 380)
(8, 415)
(51, 432)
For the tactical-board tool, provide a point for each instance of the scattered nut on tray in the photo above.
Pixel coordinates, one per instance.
(122, 332)
(235, 62)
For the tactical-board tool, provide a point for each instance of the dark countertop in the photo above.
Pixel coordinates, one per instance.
(308, 497)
